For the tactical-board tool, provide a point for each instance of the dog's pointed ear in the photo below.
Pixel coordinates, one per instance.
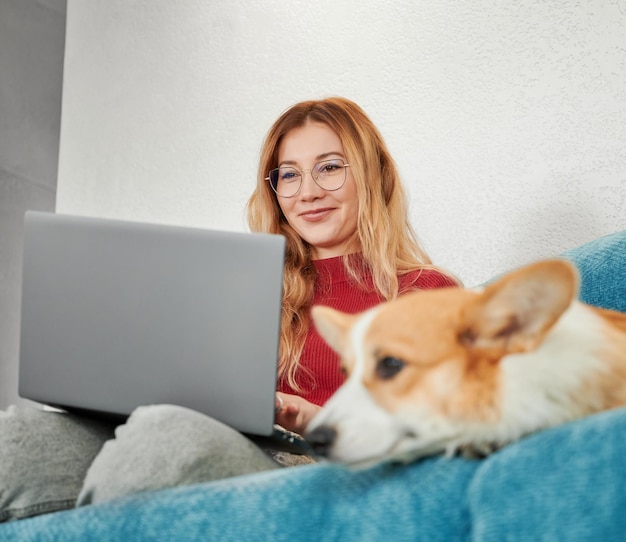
(333, 326)
(514, 313)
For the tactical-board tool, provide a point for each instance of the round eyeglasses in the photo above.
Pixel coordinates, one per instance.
(327, 174)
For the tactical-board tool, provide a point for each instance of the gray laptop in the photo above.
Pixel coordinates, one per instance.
(120, 314)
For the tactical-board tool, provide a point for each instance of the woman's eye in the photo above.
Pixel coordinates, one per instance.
(288, 176)
(329, 168)
(389, 367)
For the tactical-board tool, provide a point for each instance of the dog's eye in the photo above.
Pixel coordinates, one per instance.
(388, 367)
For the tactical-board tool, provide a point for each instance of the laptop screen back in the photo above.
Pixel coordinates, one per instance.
(120, 314)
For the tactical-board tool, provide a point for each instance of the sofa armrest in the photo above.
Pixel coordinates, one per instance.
(602, 267)
(565, 483)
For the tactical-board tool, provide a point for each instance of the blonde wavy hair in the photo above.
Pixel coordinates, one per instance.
(384, 235)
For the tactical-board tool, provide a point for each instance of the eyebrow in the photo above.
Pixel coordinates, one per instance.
(318, 157)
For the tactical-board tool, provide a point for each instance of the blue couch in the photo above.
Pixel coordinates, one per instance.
(563, 484)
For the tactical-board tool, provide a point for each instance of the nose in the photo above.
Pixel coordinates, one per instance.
(321, 439)
(309, 188)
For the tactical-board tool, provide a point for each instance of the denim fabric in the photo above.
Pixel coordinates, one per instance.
(43, 459)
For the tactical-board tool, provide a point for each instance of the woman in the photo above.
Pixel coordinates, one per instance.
(327, 183)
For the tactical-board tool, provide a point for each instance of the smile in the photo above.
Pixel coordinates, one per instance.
(316, 215)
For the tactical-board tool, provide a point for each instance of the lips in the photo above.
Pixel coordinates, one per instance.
(315, 215)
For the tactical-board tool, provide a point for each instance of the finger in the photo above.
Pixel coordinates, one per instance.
(279, 404)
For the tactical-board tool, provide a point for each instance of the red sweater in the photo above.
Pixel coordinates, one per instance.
(321, 375)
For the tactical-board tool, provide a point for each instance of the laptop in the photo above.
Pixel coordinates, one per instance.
(118, 314)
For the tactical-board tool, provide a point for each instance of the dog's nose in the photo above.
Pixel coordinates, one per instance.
(321, 439)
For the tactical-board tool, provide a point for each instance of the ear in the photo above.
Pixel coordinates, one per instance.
(333, 326)
(515, 313)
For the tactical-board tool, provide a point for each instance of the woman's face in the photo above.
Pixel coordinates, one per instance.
(324, 219)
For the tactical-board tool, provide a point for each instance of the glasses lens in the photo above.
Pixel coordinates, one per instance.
(331, 174)
(285, 181)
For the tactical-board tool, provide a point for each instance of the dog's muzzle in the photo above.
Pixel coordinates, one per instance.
(321, 439)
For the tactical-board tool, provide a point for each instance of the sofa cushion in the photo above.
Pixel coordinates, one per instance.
(422, 501)
(565, 483)
(602, 267)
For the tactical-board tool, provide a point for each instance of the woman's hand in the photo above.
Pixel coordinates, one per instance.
(293, 412)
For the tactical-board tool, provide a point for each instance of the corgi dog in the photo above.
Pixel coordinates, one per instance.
(463, 371)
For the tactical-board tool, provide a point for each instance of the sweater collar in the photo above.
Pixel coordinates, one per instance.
(333, 270)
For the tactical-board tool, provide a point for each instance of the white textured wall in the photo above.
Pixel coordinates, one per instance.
(507, 119)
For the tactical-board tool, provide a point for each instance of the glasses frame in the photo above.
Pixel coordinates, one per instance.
(313, 176)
